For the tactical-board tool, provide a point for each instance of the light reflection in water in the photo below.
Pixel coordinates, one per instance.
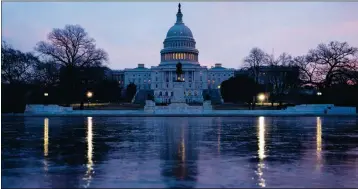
(46, 137)
(88, 176)
(183, 145)
(261, 151)
(319, 142)
(46, 123)
(219, 135)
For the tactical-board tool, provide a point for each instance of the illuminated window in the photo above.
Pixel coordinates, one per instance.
(173, 56)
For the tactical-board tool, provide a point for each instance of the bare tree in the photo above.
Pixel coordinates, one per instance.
(308, 70)
(47, 73)
(73, 47)
(282, 76)
(16, 66)
(332, 61)
(256, 59)
(74, 50)
(285, 59)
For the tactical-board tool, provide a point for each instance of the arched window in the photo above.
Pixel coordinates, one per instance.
(160, 93)
(166, 93)
(173, 56)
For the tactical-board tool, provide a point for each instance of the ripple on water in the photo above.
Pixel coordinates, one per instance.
(179, 152)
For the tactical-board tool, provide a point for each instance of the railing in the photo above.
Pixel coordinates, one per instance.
(133, 99)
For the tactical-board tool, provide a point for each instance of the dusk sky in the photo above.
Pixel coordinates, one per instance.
(133, 32)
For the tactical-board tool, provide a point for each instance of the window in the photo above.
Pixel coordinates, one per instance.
(172, 93)
(167, 85)
(156, 86)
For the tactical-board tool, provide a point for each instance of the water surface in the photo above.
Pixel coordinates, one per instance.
(179, 152)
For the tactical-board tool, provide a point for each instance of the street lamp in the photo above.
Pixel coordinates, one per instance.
(45, 98)
(261, 97)
(89, 95)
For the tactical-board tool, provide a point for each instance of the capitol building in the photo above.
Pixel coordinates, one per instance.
(178, 46)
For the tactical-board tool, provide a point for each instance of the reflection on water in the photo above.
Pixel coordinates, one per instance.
(219, 135)
(89, 137)
(46, 124)
(179, 152)
(179, 156)
(261, 151)
(319, 143)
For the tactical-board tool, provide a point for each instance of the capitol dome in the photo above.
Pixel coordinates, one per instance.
(179, 30)
(179, 44)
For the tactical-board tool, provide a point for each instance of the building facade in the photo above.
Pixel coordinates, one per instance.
(178, 46)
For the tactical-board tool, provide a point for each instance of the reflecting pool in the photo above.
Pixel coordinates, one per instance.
(183, 152)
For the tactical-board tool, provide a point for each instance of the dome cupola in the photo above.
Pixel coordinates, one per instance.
(179, 44)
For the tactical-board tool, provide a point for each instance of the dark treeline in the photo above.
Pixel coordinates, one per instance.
(331, 69)
(61, 70)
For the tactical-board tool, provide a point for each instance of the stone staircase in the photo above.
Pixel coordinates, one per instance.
(214, 94)
(141, 96)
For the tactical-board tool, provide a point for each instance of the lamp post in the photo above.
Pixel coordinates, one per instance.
(89, 95)
(261, 98)
(45, 97)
